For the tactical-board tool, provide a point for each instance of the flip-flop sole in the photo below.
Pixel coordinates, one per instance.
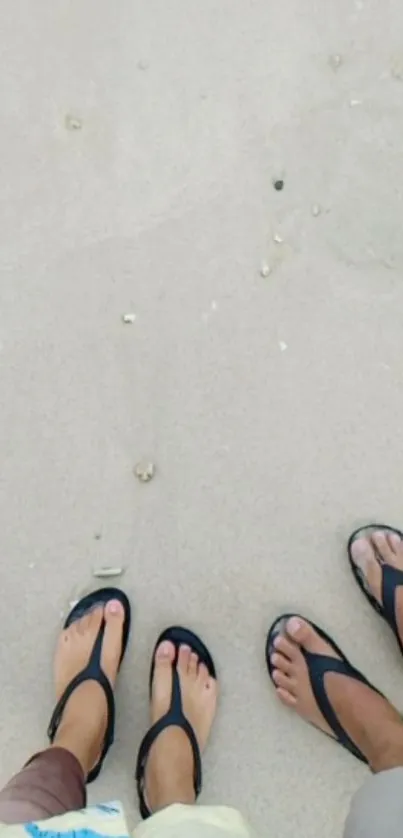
(276, 628)
(180, 636)
(365, 532)
(101, 597)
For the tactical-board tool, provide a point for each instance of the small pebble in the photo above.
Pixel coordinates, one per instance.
(278, 185)
(97, 536)
(106, 572)
(355, 102)
(335, 61)
(144, 471)
(143, 65)
(265, 270)
(128, 318)
(315, 210)
(72, 123)
(282, 345)
(278, 239)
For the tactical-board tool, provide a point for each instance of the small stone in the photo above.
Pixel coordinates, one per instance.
(278, 239)
(72, 123)
(282, 345)
(97, 536)
(128, 318)
(278, 185)
(265, 270)
(355, 102)
(316, 210)
(335, 61)
(106, 572)
(144, 471)
(143, 65)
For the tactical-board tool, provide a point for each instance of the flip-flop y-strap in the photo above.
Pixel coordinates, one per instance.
(175, 716)
(318, 667)
(93, 671)
(392, 578)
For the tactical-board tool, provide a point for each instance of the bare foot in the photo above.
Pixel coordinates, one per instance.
(170, 768)
(368, 718)
(368, 554)
(83, 724)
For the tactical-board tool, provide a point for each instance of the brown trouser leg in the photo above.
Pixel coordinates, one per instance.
(51, 783)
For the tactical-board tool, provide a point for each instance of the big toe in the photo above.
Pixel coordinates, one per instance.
(114, 612)
(164, 656)
(162, 679)
(302, 633)
(362, 553)
(368, 567)
(114, 615)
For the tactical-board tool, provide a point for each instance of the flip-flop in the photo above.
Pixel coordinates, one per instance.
(175, 716)
(392, 578)
(318, 666)
(93, 671)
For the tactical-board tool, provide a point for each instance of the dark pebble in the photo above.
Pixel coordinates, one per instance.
(278, 185)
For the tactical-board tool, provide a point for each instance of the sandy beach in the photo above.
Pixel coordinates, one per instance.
(261, 372)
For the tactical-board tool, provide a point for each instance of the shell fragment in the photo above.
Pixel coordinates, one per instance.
(144, 471)
(106, 572)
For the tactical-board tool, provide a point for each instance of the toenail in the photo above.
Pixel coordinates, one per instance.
(277, 640)
(114, 606)
(360, 548)
(185, 648)
(379, 535)
(164, 649)
(273, 659)
(293, 625)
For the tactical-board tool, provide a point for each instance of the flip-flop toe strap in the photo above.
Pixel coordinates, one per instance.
(392, 578)
(169, 720)
(318, 667)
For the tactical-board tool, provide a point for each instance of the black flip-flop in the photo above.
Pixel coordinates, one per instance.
(391, 577)
(93, 670)
(318, 667)
(174, 717)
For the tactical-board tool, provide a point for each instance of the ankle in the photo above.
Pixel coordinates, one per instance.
(80, 743)
(387, 752)
(169, 772)
(81, 731)
(82, 736)
(171, 790)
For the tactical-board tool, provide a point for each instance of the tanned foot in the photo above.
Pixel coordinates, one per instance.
(83, 724)
(170, 768)
(370, 721)
(368, 554)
